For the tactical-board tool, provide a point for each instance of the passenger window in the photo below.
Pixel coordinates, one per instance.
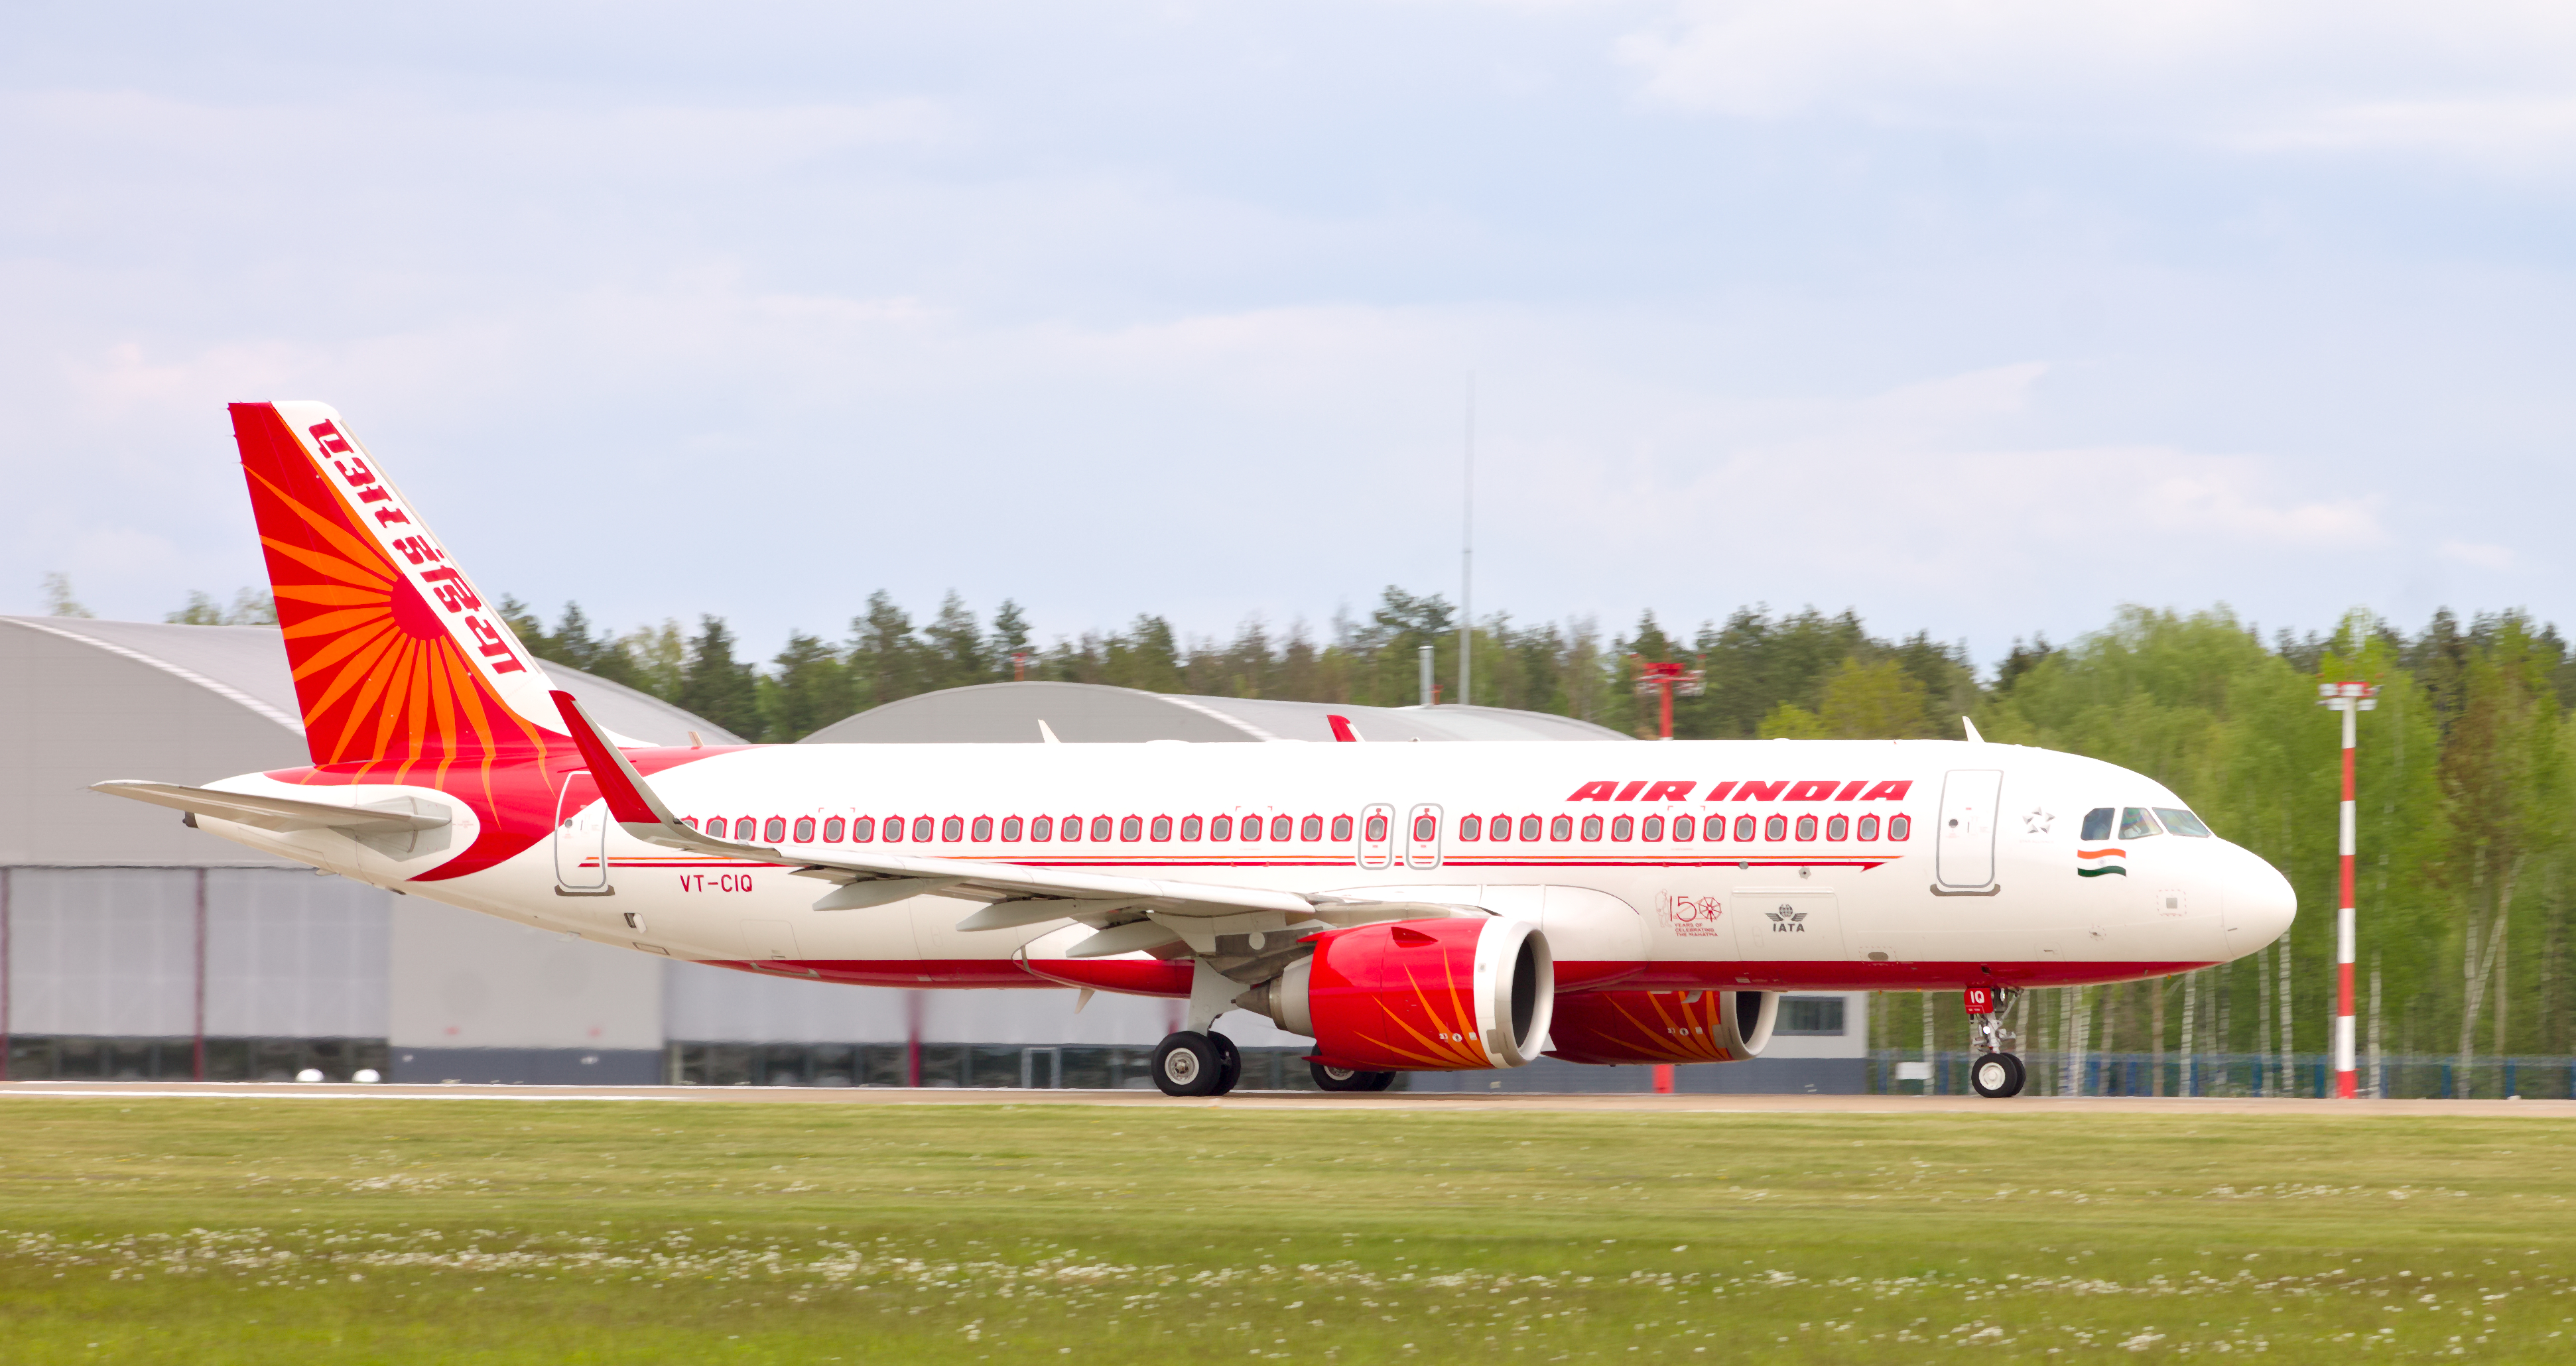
(863, 829)
(804, 830)
(1838, 828)
(1425, 830)
(1042, 829)
(1100, 829)
(1072, 828)
(1162, 831)
(1500, 827)
(2136, 824)
(689, 821)
(1898, 827)
(1592, 827)
(1623, 829)
(983, 829)
(1190, 826)
(1682, 828)
(1131, 829)
(1222, 828)
(952, 829)
(1806, 827)
(1280, 827)
(894, 829)
(1529, 828)
(1471, 828)
(832, 830)
(1252, 827)
(921, 829)
(1312, 828)
(1869, 827)
(2097, 823)
(1341, 829)
(1743, 828)
(2181, 822)
(1654, 828)
(1562, 828)
(1010, 830)
(1776, 828)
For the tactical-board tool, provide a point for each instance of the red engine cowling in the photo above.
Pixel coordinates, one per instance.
(1664, 1026)
(1420, 995)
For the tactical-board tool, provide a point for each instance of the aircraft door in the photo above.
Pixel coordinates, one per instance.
(1377, 836)
(1965, 856)
(1422, 838)
(581, 839)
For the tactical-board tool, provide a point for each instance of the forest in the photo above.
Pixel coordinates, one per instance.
(2465, 809)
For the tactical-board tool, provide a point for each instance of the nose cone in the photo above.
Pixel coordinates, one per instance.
(2259, 904)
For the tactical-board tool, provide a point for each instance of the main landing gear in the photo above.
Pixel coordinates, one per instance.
(1193, 1064)
(1996, 1073)
(1344, 1079)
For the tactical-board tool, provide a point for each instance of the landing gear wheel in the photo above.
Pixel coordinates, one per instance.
(1229, 1063)
(1344, 1079)
(1996, 1075)
(1186, 1064)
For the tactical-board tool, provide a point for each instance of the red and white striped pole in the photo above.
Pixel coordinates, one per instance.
(2350, 699)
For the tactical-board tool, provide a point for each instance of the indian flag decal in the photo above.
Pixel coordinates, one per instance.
(2102, 861)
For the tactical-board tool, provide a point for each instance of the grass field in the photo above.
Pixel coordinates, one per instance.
(465, 1231)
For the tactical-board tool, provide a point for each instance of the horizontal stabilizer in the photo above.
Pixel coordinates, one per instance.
(269, 813)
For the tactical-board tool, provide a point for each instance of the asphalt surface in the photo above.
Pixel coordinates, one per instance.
(1610, 1103)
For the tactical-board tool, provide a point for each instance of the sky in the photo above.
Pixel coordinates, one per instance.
(1979, 317)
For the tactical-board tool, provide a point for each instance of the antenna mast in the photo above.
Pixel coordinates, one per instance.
(1467, 558)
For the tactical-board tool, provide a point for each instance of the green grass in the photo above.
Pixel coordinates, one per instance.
(212, 1231)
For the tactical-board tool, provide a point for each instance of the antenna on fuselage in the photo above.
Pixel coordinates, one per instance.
(1973, 737)
(1047, 732)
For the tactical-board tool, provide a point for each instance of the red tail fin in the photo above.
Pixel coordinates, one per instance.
(397, 659)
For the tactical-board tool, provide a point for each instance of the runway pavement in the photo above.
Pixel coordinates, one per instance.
(1595, 1103)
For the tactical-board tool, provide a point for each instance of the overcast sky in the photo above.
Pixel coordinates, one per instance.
(1980, 316)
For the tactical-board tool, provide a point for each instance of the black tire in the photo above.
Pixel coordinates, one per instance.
(1229, 1063)
(1377, 1081)
(1186, 1064)
(1344, 1079)
(1997, 1076)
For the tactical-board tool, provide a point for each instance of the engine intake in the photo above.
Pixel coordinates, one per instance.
(1664, 1026)
(1418, 995)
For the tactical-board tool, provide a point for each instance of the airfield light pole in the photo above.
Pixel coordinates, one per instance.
(2351, 699)
(1663, 680)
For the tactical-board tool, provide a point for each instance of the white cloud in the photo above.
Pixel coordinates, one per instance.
(2488, 79)
(2495, 557)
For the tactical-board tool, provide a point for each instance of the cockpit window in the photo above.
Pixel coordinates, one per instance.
(2136, 824)
(2180, 822)
(2097, 823)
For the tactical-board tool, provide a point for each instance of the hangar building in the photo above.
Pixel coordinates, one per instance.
(133, 947)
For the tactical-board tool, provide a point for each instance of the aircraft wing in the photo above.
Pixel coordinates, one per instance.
(1017, 895)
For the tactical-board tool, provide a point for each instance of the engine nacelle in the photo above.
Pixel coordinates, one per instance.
(1664, 1026)
(1419, 995)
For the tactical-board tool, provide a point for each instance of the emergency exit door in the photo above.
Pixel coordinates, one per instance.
(1965, 856)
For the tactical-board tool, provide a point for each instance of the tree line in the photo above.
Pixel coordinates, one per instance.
(2467, 871)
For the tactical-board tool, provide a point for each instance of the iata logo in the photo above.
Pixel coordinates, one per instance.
(1690, 915)
(1787, 920)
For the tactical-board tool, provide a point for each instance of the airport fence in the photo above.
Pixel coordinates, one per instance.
(1896, 1071)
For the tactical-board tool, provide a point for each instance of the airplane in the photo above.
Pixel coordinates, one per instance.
(1445, 907)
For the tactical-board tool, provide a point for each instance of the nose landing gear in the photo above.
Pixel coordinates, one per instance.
(1996, 1073)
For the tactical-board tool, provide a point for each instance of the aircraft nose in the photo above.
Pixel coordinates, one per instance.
(2259, 905)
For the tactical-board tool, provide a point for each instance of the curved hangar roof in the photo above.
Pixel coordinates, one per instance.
(82, 700)
(1089, 712)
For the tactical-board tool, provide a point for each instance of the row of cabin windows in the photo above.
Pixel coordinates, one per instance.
(1069, 829)
(1682, 828)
